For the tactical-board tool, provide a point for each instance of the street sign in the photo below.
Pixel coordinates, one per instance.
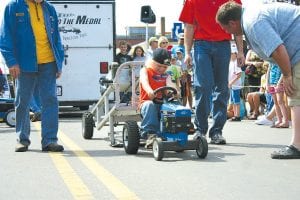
(176, 30)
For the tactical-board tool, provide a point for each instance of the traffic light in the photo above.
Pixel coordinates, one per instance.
(147, 15)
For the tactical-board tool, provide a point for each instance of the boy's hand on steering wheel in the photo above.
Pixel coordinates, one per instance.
(151, 95)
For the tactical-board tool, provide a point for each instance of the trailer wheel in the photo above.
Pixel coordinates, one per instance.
(158, 151)
(87, 125)
(202, 148)
(10, 118)
(131, 137)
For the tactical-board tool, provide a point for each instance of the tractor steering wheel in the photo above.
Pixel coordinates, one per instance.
(166, 92)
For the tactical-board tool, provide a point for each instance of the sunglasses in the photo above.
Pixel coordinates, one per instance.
(164, 42)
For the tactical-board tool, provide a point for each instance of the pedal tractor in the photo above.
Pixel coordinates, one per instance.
(7, 111)
(175, 127)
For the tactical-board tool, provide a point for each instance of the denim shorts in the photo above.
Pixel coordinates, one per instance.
(235, 97)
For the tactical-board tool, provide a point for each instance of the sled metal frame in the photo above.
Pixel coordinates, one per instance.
(112, 113)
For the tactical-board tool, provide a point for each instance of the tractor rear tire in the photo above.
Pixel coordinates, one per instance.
(87, 125)
(131, 137)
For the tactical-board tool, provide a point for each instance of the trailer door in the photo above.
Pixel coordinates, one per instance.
(87, 32)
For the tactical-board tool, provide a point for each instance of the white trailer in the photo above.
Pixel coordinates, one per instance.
(87, 30)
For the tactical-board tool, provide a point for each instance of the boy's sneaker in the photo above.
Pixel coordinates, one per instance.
(150, 140)
(35, 117)
(264, 121)
(198, 134)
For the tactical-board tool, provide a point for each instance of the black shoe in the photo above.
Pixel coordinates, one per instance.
(54, 147)
(21, 147)
(288, 152)
(217, 139)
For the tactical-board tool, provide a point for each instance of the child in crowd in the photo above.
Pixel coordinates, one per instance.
(175, 73)
(275, 88)
(186, 92)
(138, 55)
(234, 83)
(123, 56)
(125, 76)
(180, 59)
(260, 98)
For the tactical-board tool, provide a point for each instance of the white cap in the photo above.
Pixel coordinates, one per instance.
(233, 47)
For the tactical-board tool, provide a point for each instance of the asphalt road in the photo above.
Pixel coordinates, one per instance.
(91, 169)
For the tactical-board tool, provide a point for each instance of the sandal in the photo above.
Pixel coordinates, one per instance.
(235, 119)
(276, 125)
(253, 117)
(284, 125)
(288, 152)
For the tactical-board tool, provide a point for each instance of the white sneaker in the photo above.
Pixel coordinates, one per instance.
(264, 121)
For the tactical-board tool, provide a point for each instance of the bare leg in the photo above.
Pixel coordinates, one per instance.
(236, 110)
(250, 101)
(296, 126)
(283, 109)
(277, 110)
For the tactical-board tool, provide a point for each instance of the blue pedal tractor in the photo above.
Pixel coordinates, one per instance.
(175, 127)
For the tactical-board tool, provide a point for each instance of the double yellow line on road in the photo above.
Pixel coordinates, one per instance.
(76, 186)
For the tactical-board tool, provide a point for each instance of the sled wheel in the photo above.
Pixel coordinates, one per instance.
(10, 118)
(87, 125)
(131, 137)
(202, 148)
(158, 151)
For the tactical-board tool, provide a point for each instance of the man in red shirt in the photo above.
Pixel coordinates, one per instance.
(211, 61)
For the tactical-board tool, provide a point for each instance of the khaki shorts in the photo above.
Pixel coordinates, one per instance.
(295, 100)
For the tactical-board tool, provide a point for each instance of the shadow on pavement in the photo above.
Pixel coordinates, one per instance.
(248, 145)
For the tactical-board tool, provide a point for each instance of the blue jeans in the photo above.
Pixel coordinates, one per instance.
(35, 102)
(150, 114)
(211, 61)
(45, 81)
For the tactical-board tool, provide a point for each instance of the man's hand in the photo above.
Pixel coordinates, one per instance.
(289, 87)
(188, 60)
(14, 71)
(58, 74)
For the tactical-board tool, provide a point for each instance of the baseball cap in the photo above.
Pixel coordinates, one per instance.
(153, 39)
(161, 56)
(180, 35)
(179, 50)
(233, 47)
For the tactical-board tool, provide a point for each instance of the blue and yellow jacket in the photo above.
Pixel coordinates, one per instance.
(17, 42)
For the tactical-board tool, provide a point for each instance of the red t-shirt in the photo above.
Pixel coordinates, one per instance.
(202, 13)
(155, 81)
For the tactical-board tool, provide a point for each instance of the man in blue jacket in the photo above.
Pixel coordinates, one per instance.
(32, 49)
